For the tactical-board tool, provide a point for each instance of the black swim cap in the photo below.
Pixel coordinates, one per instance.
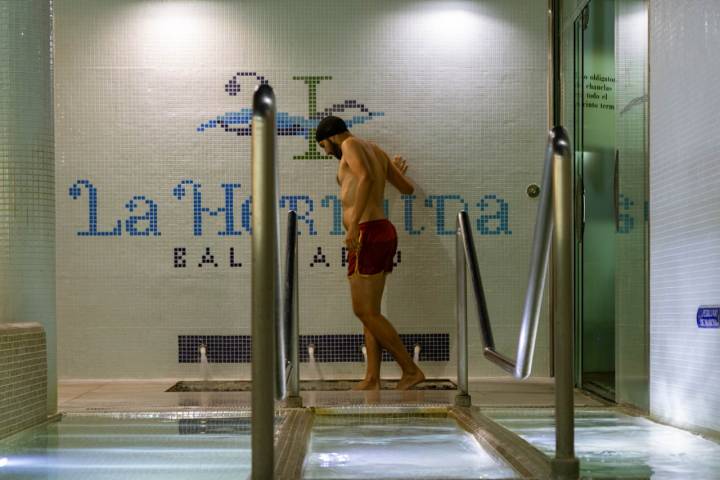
(328, 127)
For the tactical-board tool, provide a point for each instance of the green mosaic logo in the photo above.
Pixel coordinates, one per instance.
(240, 123)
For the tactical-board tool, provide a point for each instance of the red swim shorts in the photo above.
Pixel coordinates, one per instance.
(378, 244)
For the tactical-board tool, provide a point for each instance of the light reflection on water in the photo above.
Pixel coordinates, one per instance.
(612, 444)
(410, 447)
(105, 448)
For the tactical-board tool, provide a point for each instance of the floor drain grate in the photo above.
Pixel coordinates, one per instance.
(307, 385)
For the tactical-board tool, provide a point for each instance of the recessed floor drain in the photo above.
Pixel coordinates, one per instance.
(308, 385)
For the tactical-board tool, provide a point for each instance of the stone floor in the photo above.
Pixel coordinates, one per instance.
(129, 396)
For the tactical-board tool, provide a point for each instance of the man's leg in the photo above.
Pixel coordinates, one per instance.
(372, 371)
(366, 292)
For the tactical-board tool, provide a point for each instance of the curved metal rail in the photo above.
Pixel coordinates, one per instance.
(288, 355)
(557, 147)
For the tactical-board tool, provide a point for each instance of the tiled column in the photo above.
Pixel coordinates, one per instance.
(23, 381)
(27, 172)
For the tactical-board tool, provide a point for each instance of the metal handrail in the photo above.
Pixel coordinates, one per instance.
(284, 325)
(264, 285)
(554, 221)
(288, 354)
(521, 367)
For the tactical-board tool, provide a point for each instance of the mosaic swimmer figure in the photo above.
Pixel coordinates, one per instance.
(371, 241)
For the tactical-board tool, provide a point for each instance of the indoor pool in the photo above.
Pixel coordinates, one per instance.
(612, 444)
(344, 447)
(114, 447)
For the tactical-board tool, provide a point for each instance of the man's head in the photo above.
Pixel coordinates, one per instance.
(326, 130)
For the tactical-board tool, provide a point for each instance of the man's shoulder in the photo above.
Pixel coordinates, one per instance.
(352, 142)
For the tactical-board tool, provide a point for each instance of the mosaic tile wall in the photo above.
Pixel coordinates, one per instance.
(153, 154)
(27, 173)
(23, 377)
(684, 205)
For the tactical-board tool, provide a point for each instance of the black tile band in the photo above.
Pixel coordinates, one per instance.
(434, 347)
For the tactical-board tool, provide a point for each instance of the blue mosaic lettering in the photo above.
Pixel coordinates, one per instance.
(337, 213)
(501, 216)
(247, 214)
(198, 209)
(493, 219)
(179, 193)
(408, 210)
(150, 216)
(625, 221)
(229, 210)
(92, 231)
(293, 201)
(440, 211)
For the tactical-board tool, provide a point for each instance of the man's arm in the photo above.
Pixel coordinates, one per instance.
(396, 176)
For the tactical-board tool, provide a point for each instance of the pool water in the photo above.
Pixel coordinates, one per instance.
(104, 448)
(343, 447)
(612, 444)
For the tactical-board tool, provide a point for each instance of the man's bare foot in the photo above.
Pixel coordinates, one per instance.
(367, 384)
(371, 396)
(409, 380)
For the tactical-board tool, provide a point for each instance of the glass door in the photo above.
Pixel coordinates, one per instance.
(609, 127)
(596, 182)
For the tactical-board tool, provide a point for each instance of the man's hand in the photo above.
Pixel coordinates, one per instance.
(400, 164)
(352, 238)
(396, 175)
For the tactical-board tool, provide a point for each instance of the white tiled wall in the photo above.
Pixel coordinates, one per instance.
(462, 91)
(27, 201)
(684, 206)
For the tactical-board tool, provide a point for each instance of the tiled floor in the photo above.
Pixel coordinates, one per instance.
(84, 396)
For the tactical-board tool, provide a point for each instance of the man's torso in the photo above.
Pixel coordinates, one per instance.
(377, 163)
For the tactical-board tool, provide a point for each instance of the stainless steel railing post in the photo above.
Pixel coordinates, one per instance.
(264, 285)
(462, 399)
(564, 465)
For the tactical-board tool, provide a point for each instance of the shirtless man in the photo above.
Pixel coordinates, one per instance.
(371, 241)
